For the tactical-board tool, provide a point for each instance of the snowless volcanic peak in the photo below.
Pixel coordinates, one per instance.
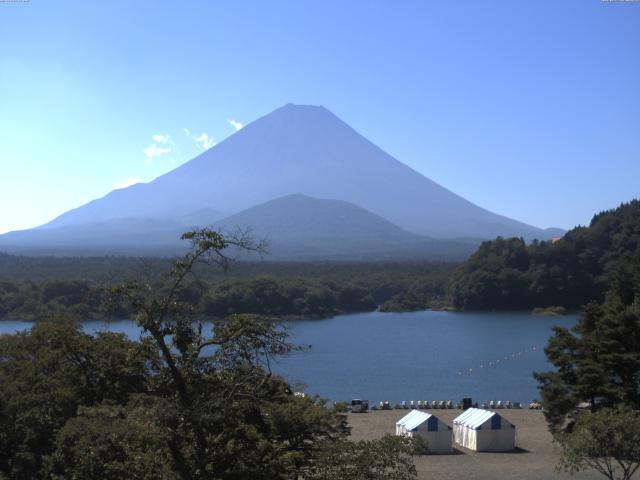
(307, 150)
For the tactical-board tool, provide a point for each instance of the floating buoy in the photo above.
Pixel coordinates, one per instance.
(497, 361)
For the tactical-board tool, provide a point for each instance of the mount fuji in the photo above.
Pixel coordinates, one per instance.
(296, 149)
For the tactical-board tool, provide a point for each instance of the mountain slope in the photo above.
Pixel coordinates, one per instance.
(304, 228)
(298, 227)
(133, 236)
(308, 150)
(299, 217)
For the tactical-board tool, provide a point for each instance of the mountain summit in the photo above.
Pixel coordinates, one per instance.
(306, 150)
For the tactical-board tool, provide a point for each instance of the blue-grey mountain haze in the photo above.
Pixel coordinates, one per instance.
(352, 197)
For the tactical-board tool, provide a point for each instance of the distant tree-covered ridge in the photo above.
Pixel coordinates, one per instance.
(569, 272)
(277, 297)
(35, 287)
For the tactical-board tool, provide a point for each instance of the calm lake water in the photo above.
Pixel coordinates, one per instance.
(408, 356)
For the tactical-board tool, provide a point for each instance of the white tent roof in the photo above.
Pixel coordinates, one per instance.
(473, 418)
(413, 419)
(407, 417)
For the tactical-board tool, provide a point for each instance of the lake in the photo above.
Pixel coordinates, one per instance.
(423, 355)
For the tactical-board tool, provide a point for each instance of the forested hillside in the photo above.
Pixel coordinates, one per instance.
(569, 272)
(35, 287)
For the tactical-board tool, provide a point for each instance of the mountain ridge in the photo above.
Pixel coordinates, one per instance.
(297, 226)
(309, 150)
(306, 150)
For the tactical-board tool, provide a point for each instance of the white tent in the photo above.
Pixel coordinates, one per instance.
(483, 431)
(436, 433)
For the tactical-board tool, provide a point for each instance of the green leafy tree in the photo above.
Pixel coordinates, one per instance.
(388, 458)
(47, 373)
(607, 441)
(112, 442)
(226, 415)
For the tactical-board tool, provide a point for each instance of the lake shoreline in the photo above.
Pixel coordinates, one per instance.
(425, 355)
(536, 312)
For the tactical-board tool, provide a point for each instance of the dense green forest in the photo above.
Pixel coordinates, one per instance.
(34, 287)
(569, 272)
(103, 407)
(501, 274)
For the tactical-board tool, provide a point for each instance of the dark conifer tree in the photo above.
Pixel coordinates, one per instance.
(598, 360)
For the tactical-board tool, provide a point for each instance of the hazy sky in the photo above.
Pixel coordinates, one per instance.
(529, 109)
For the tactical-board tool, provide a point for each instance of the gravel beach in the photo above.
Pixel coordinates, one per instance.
(534, 459)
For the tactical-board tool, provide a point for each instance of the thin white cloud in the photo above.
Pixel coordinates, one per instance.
(205, 141)
(158, 138)
(155, 151)
(126, 182)
(187, 132)
(235, 124)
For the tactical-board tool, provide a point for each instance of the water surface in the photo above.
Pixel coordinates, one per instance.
(407, 356)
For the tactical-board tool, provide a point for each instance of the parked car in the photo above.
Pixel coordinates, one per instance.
(359, 406)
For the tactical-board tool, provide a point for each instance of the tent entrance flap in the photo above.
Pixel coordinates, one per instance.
(496, 422)
(432, 424)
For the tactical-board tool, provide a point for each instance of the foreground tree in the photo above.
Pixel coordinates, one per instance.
(387, 458)
(592, 400)
(607, 441)
(48, 373)
(224, 414)
(111, 442)
(180, 404)
(597, 361)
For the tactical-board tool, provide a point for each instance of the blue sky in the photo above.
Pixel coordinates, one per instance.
(529, 109)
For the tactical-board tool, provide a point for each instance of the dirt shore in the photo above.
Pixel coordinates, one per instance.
(534, 459)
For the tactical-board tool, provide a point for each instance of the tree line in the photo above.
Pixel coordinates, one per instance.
(568, 272)
(502, 274)
(289, 291)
